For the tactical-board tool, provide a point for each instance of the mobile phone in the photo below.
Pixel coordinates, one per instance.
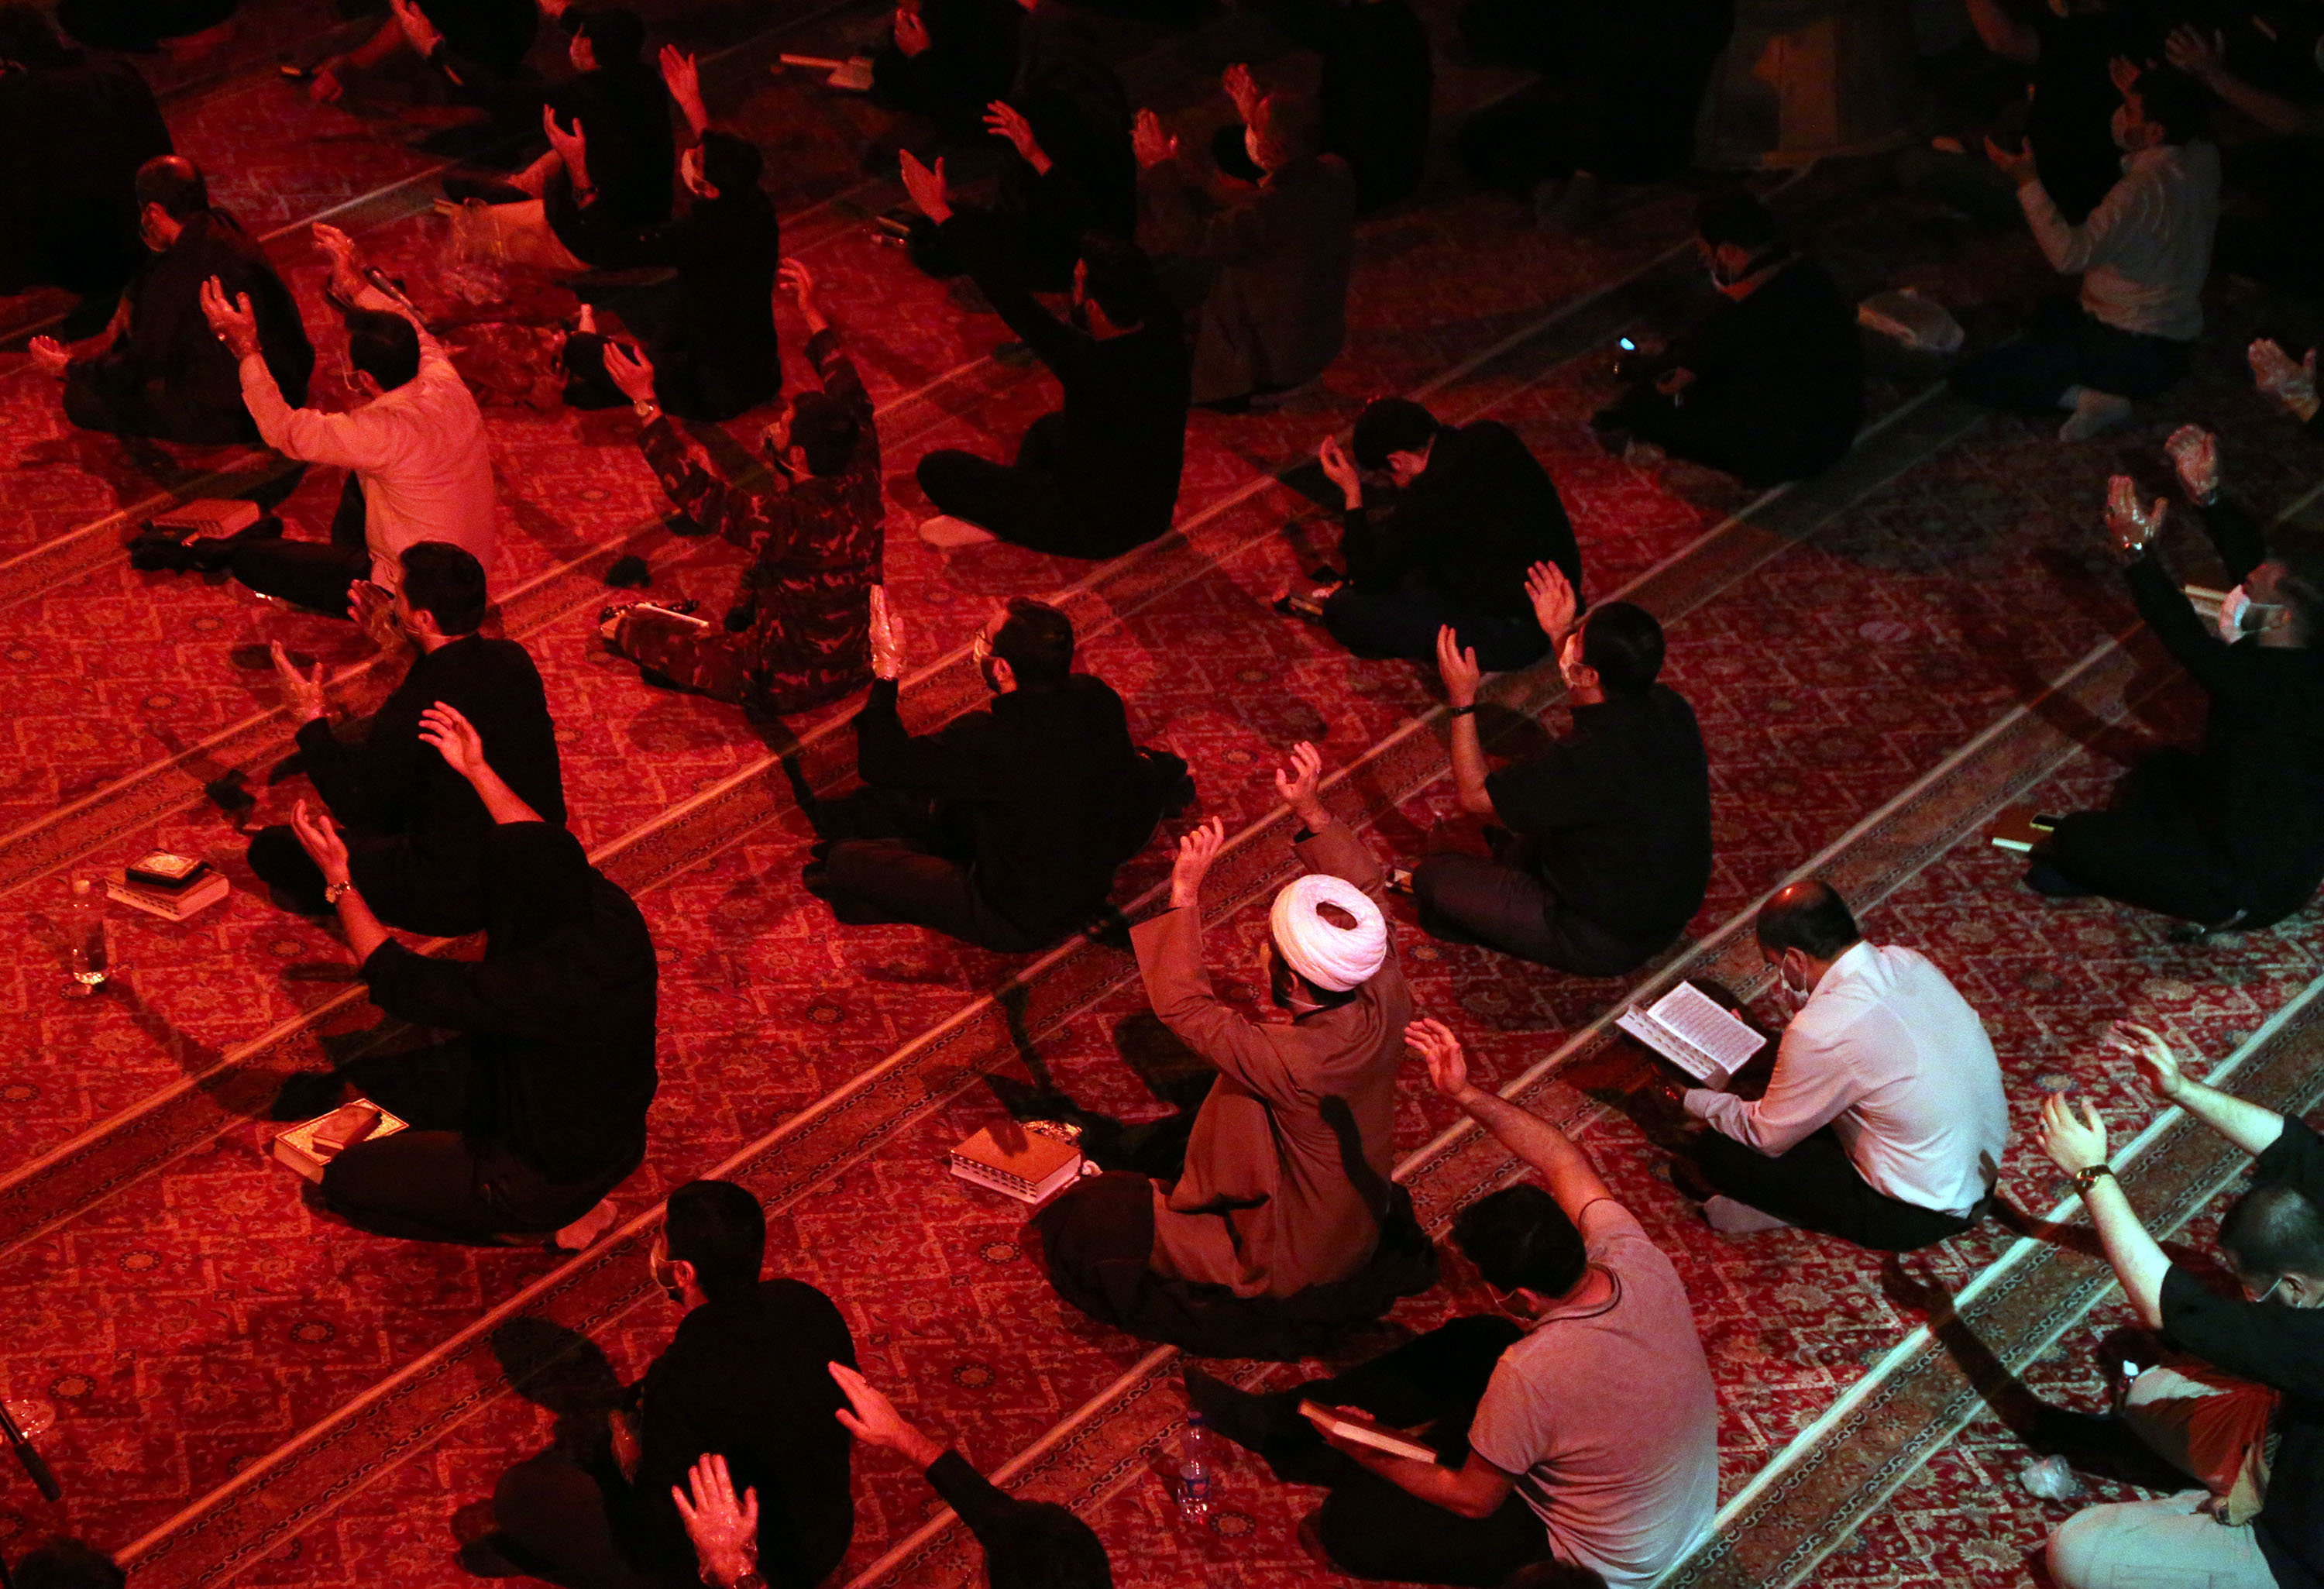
(1626, 344)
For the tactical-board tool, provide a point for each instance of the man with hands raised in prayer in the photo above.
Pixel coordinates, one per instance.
(2272, 1335)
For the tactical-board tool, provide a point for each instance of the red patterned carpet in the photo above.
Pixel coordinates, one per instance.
(1880, 660)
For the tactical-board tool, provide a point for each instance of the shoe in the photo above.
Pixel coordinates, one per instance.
(1687, 1175)
(2044, 878)
(1730, 1218)
(496, 1556)
(948, 534)
(2095, 413)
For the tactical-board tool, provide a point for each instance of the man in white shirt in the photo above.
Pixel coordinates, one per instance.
(1582, 1429)
(418, 468)
(2141, 254)
(1884, 1121)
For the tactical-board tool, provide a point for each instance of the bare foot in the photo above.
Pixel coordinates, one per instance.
(584, 1232)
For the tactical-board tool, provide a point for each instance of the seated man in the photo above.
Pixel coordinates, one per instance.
(799, 632)
(1375, 93)
(1004, 827)
(748, 1376)
(416, 835)
(1276, 308)
(2142, 255)
(946, 61)
(162, 372)
(523, 1124)
(1028, 1544)
(1611, 855)
(2278, 238)
(1475, 512)
(1770, 387)
(2273, 1238)
(1588, 1435)
(418, 465)
(1101, 474)
(2230, 834)
(1884, 1123)
(60, 1562)
(180, 26)
(475, 50)
(1265, 1243)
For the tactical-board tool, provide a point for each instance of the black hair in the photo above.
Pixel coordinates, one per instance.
(1730, 215)
(1118, 277)
(2274, 1230)
(1288, 120)
(1391, 424)
(1808, 916)
(176, 184)
(730, 162)
(1042, 1546)
(2301, 584)
(1037, 641)
(1622, 642)
(445, 582)
(59, 1563)
(1520, 1236)
(383, 345)
(720, 1230)
(826, 429)
(28, 38)
(2175, 102)
(616, 37)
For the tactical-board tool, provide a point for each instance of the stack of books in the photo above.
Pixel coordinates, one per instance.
(1026, 1160)
(310, 1145)
(171, 886)
(204, 515)
(1686, 1027)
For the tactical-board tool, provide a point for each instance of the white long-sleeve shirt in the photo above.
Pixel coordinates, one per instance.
(420, 451)
(1893, 1058)
(2143, 252)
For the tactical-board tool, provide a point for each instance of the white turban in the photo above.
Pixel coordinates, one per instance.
(1334, 958)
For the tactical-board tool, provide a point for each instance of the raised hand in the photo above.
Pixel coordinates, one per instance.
(2017, 164)
(1004, 120)
(1553, 601)
(1149, 143)
(681, 76)
(2195, 454)
(1458, 668)
(302, 692)
(347, 261)
(911, 31)
(423, 34)
(2157, 1065)
(454, 738)
(2133, 526)
(724, 1529)
(1243, 90)
(325, 88)
(1197, 850)
(49, 354)
(2072, 1144)
(1448, 1068)
(1297, 784)
(887, 637)
(2291, 385)
(236, 322)
(925, 187)
(572, 148)
(2200, 56)
(1339, 469)
(630, 371)
(320, 839)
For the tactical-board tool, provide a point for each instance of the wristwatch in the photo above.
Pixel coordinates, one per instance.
(2084, 1179)
(334, 891)
(647, 410)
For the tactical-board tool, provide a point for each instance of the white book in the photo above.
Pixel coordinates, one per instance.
(1686, 1027)
(1364, 1431)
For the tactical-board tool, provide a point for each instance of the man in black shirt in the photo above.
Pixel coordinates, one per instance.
(946, 61)
(1374, 93)
(1003, 827)
(1611, 854)
(522, 1125)
(416, 833)
(1474, 514)
(1101, 474)
(1770, 386)
(163, 372)
(1026, 1543)
(749, 1376)
(475, 50)
(2230, 834)
(2273, 1336)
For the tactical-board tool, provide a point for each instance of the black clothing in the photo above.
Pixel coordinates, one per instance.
(493, 34)
(1815, 1186)
(1503, 904)
(1778, 387)
(632, 159)
(72, 135)
(168, 375)
(2280, 1347)
(2234, 832)
(1619, 814)
(1376, 89)
(418, 837)
(1037, 799)
(2070, 125)
(1471, 524)
(312, 574)
(559, 1018)
(971, 61)
(1101, 474)
(718, 355)
(138, 24)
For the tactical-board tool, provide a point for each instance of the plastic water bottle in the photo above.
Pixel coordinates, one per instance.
(85, 938)
(1194, 1465)
(2050, 1479)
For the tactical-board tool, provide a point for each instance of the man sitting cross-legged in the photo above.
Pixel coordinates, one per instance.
(415, 832)
(747, 1377)
(1885, 1121)
(1282, 1227)
(1005, 826)
(1586, 1432)
(523, 1124)
(798, 631)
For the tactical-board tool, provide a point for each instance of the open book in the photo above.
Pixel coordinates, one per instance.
(1363, 1431)
(1687, 1029)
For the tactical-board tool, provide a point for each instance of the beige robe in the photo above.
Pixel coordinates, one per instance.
(1260, 1137)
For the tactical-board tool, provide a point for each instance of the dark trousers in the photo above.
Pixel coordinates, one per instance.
(1374, 1529)
(1816, 1187)
(1755, 441)
(310, 574)
(2064, 347)
(1506, 907)
(96, 400)
(1404, 624)
(2150, 850)
(561, 1519)
(1025, 503)
(433, 1182)
(404, 886)
(902, 861)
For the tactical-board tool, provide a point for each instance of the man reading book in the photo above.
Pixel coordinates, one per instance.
(1884, 1121)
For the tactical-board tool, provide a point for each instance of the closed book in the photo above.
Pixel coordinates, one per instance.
(165, 870)
(206, 515)
(1026, 1161)
(310, 1145)
(2020, 828)
(171, 905)
(1364, 1431)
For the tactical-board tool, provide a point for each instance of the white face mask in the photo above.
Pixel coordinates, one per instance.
(2239, 615)
(2117, 125)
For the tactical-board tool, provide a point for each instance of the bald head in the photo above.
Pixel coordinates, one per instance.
(1808, 916)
